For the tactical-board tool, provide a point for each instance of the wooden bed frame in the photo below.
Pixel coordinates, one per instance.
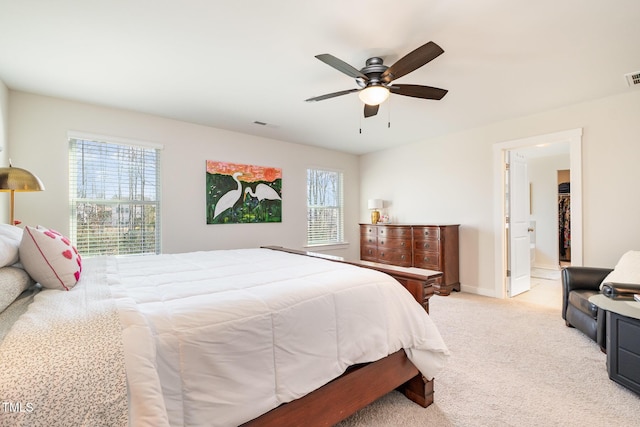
(361, 384)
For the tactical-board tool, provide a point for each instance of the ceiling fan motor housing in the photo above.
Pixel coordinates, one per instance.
(373, 70)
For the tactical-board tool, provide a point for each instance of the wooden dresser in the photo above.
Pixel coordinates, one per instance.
(433, 247)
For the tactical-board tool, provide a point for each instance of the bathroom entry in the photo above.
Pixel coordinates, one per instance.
(564, 217)
(571, 137)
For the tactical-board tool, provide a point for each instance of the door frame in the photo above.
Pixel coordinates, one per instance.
(574, 138)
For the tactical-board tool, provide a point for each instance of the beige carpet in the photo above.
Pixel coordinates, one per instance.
(513, 364)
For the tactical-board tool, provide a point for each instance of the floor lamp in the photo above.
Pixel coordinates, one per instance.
(16, 179)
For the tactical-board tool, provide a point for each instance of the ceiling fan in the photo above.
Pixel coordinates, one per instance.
(375, 79)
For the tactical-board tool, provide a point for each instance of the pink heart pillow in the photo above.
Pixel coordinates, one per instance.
(50, 258)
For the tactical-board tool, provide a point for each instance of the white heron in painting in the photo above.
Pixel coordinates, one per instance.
(262, 192)
(229, 198)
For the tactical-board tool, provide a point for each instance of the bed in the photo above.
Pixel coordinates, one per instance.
(258, 336)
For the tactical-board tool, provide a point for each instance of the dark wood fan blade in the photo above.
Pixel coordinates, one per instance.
(331, 95)
(417, 91)
(412, 61)
(341, 66)
(370, 110)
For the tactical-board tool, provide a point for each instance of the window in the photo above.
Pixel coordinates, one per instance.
(114, 191)
(325, 219)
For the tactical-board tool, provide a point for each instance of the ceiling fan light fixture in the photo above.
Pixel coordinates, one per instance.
(375, 80)
(374, 95)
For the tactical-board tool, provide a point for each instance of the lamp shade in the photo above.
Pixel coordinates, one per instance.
(374, 95)
(16, 179)
(374, 203)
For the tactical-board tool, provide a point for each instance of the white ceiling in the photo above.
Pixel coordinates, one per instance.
(229, 63)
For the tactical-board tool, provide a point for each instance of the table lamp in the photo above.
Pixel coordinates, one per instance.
(375, 204)
(16, 179)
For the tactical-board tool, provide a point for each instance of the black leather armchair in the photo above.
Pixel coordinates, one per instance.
(578, 284)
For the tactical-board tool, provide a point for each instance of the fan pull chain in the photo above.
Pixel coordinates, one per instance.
(389, 113)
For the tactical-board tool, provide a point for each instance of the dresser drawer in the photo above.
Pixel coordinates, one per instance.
(426, 233)
(388, 243)
(395, 232)
(427, 245)
(368, 239)
(368, 229)
(368, 253)
(395, 256)
(428, 260)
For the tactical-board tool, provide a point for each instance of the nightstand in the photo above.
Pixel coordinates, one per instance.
(623, 340)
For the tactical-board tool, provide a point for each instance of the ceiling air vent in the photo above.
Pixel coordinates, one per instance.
(633, 78)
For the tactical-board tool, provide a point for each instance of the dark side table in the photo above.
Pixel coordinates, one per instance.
(623, 340)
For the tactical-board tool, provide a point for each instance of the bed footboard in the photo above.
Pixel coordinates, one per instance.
(357, 388)
(418, 281)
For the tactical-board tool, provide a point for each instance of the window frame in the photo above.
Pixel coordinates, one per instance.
(340, 207)
(119, 203)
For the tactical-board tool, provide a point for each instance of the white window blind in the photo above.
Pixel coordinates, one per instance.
(115, 198)
(325, 219)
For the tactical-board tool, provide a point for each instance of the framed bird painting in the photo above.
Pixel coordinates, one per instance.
(238, 194)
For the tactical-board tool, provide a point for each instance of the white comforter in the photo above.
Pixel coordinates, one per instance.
(218, 338)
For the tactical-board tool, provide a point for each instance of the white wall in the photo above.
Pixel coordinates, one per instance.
(38, 129)
(447, 179)
(450, 179)
(4, 154)
(543, 175)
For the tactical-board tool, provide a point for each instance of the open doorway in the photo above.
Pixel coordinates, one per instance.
(549, 222)
(550, 208)
(571, 138)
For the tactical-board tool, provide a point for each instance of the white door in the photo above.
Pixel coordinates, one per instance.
(519, 264)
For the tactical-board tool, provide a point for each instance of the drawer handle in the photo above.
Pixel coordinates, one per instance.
(382, 242)
(381, 254)
(402, 257)
(426, 233)
(426, 245)
(402, 244)
(370, 240)
(425, 259)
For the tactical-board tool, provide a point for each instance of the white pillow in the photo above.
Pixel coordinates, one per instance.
(50, 258)
(627, 270)
(13, 281)
(10, 237)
